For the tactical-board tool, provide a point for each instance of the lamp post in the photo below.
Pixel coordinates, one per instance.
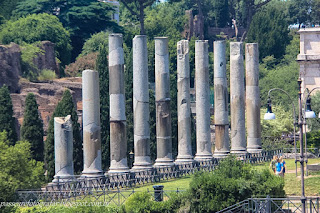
(304, 112)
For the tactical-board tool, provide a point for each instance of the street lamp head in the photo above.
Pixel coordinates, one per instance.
(269, 115)
(309, 113)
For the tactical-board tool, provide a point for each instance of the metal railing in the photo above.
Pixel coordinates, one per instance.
(83, 186)
(268, 205)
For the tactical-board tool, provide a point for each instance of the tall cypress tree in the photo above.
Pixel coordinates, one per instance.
(32, 127)
(6, 115)
(65, 107)
(102, 68)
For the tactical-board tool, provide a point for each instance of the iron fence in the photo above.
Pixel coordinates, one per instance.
(268, 205)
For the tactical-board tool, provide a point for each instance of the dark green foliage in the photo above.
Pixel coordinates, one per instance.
(129, 100)
(17, 169)
(7, 120)
(32, 127)
(38, 27)
(153, 133)
(299, 11)
(230, 183)
(81, 18)
(65, 107)
(313, 139)
(269, 28)
(102, 68)
(314, 123)
(7, 6)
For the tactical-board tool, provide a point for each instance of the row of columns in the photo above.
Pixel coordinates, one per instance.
(142, 161)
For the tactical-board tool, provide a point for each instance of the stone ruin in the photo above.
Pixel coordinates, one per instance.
(241, 99)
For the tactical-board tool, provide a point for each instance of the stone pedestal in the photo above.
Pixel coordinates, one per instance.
(91, 125)
(163, 120)
(63, 149)
(253, 99)
(238, 131)
(141, 111)
(183, 104)
(118, 139)
(221, 121)
(202, 101)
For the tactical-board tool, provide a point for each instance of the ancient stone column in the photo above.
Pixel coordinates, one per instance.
(238, 130)
(91, 124)
(118, 139)
(63, 149)
(202, 101)
(163, 115)
(221, 121)
(141, 104)
(253, 98)
(183, 104)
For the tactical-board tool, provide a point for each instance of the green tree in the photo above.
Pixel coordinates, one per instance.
(7, 120)
(153, 132)
(269, 28)
(80, 18)
(65, 107)
(102, 68)
(38, 27)
(314, 124)
(93, 44)
(32, 127)
(299, 11)
(7, 6)
(17, 168)
(315, 12)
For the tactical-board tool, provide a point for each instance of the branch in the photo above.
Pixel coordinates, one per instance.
(258, 6)
(126, 5)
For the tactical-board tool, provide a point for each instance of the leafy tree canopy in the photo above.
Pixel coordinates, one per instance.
(38, 27)
(82, 18)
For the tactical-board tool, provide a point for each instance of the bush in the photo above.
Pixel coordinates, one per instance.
(82, 63)
(47, 75)
(92, 44)
(230, 183)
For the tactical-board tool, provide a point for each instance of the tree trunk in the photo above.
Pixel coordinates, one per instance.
(141, 18)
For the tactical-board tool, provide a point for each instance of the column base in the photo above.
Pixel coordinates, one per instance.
(221, 154)
(87, 173)
(140, 167)
(62, 178)
(163, 162)
(187, 159)
(254, 150)
(238, 152)
(204, 157)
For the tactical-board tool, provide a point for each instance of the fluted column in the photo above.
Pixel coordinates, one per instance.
(163, 115)
(202, 101)
(238, 131)
(253, 98)
(141, 104)
(118, 139)
(91, 124)
(221, 121)
(63, 149)
(183, 105)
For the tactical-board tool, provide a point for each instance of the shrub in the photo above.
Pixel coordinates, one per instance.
(82, 63)
(46, 75)
(92, 44)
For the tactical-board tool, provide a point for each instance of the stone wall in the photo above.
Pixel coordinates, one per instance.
(48, 95)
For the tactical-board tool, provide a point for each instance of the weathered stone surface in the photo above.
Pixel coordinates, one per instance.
(202, 101)
(91, 124)
(141, 104)
(238, 131)
(47, 60)
(118, 140)
(63, 149)
(183, 103)
(10, 66)
(253, 98)
(163, 116)
(222, 145)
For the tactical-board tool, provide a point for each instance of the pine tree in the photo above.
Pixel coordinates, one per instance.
(7, 120)
(65, 107)
(32, 127)
(102, 68)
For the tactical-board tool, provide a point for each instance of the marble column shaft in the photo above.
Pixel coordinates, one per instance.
(63, 148)
(253, 98)
(91, 124)
(118, 139)
(237, 96)
(163, 115)
(222, 145)
(141, 104)
(183, 103)
(202, 101)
